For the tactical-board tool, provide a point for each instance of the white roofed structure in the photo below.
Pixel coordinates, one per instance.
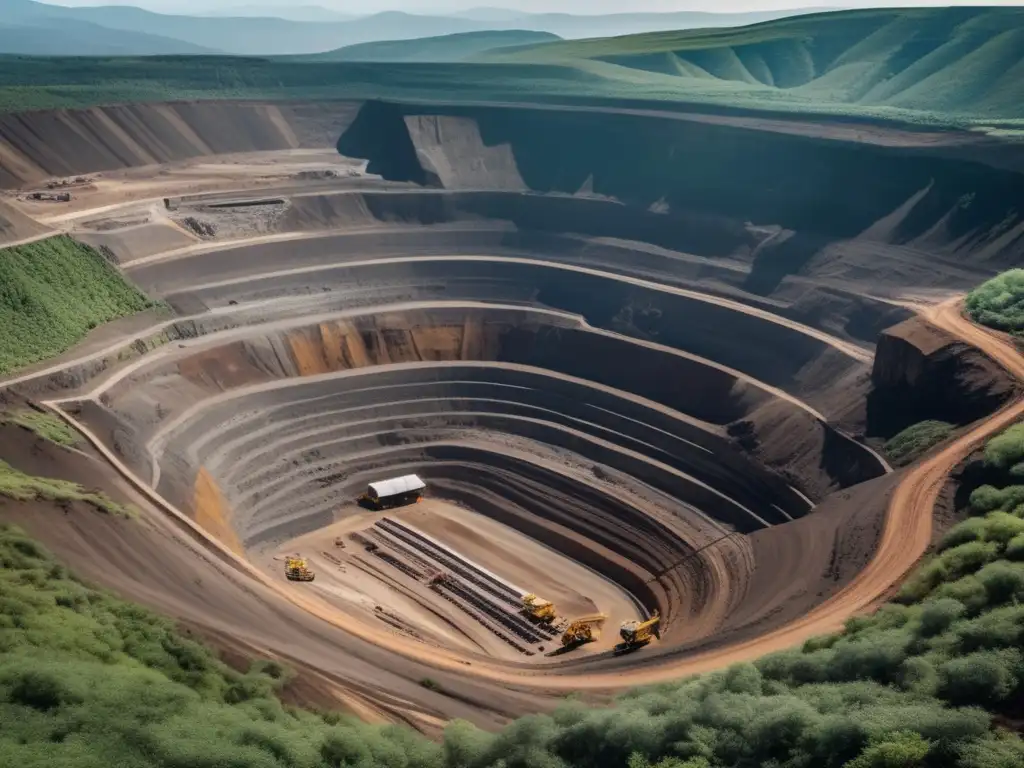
(396, 486)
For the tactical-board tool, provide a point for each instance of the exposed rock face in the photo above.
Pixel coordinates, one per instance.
(36, 145)
(921, 372)
(813, 194)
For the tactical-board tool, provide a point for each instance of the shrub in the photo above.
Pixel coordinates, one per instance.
(967, 590)
(1015, 548)
(987, 498)
(951, 564)
(999, 628)
(876, 657)
(939, 615)
(999, 302)
(903, 749)
(1006, 450)
(916, 440)
(918, 675)
(995, 750)
(981, 678)
(972, 529)
(967, 558)
(1001, 526)
(1003, 581)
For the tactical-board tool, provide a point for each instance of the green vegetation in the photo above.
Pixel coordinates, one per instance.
(45, 424)
(21, 487)
(448, 48)
(915, 440)
(999, 302)
(927, 66)
(53, 292)
(87, 680)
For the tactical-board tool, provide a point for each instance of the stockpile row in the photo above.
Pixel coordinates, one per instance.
(485, 598)
(468, 582)
(468, 571)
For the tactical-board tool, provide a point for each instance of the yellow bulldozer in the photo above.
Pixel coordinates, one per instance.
(635, 634)
(296, 569)
(583, 630)
(538, 609)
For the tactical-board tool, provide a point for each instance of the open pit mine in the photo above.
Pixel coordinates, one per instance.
(641, 363)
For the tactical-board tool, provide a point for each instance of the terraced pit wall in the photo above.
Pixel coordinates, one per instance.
(826, 186)
(38, 145)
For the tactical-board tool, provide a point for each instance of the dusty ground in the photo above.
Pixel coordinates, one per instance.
(607, 407)
(365, 584)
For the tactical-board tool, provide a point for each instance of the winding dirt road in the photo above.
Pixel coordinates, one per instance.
(906, 537)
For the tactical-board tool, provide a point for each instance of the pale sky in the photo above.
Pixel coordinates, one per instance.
(362, 7)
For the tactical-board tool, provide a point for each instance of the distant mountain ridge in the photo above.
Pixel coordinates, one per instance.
(446, 48)
(256, 36)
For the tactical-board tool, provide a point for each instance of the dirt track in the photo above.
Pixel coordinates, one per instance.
(604, 381)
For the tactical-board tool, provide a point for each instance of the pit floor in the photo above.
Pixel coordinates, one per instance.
(366, 587)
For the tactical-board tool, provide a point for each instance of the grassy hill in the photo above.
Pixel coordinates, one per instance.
(446, 48)
(52, 293)
(938, 67)
(966, 61)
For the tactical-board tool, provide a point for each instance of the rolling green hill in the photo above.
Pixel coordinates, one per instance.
(445, 48)
(945, 60)
(939, 67)
(52, 293)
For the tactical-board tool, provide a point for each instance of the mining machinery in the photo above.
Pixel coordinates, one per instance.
(583, 630)
(635, 634)
(538, 609)
(296, 569)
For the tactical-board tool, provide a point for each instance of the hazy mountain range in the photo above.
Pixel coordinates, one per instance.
(28, 27)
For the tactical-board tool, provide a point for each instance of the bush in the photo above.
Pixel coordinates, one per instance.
(999, 628)
(939, 615)
(981, 678)
(968, 591)
(987, 498)
(1015, 548)
(972, 529)
(1006, 450)
(916, 440)
(997, 750)
(950, 565)
(903, 749)
(1003, 581)
(967, 558)
(999, 302)
(1002, 526)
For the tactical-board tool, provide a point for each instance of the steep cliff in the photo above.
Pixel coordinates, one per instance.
(921, 372)
(798, 189)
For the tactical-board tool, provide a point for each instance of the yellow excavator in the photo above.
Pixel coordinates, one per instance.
(583, 630)
(538, 609)
(635, 634)
(296, 569)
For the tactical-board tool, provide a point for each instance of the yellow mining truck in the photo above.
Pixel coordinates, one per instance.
(583, 630)
(637, 633)
(538, 609)
(295, 569)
